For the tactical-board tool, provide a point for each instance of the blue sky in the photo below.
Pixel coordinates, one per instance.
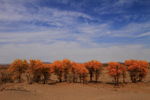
(80, 30)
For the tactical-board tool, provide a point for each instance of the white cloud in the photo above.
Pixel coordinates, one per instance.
(125, 2)
(131, 30)
(40, 36)
(73, 51)
(39, 13)
(144, 34)
(66, 20)
(81, 33)
(68, 38)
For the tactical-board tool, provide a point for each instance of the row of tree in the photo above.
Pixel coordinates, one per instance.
(66, 70)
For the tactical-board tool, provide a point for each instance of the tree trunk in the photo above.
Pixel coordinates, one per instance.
(91, 76)
(97, 73)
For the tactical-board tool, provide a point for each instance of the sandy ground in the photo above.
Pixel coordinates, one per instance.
(77, 91)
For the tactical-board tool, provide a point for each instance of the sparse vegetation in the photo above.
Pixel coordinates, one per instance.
(69, 71)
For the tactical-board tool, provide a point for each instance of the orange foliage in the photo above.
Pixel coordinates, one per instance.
(74, 71)
(35, 65)
(58, 68)
(116, 70)
(62, 68)
(137, 69)
(94, 67)
(81, 70)
(67, 64)
(93, 64)
(38, 71)
(18, 67)
(45, 71)
(66, 70)
(57, 65)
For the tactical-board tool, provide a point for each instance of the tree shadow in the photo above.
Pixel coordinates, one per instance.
(19, 89)
(53, 82)
(95, 82)
(110, 83)
(120, 84)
